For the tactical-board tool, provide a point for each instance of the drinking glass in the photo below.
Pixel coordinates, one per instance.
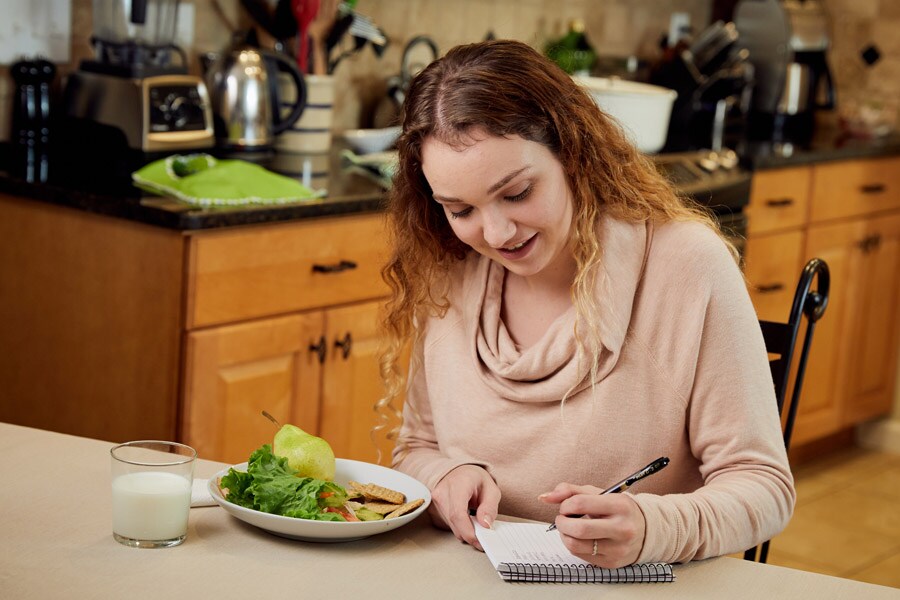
(151, 492)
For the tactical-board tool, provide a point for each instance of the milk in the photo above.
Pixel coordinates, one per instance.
(150, 505)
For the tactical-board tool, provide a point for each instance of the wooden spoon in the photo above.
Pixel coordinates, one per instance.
(318, 33)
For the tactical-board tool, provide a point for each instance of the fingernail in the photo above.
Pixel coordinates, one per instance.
(544, 495)
(487, 522)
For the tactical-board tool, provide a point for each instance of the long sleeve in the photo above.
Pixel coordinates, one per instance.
(417, 452)
(733, 428)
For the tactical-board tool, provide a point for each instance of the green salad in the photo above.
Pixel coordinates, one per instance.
(271, 486)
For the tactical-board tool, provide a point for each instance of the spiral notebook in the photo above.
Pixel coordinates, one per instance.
(528, 552)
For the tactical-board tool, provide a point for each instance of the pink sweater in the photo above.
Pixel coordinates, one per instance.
(683, 374)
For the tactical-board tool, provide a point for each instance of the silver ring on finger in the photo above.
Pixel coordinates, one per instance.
(594, 550)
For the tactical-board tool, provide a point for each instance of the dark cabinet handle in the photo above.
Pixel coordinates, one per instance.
(770, 288)
(872, 188)
(345, 345)
(344, 265)
(780, 202)
(320, 348)
(869, 243)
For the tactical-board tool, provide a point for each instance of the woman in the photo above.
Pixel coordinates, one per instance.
(571, 320)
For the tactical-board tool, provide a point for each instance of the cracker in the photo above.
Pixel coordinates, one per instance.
(376, 492)
(354, 489)
(406, 508)
(382, 508)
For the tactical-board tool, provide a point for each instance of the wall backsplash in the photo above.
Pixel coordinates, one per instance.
(863, 23)
(615, 27)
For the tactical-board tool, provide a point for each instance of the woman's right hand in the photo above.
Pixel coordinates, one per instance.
(465, 487)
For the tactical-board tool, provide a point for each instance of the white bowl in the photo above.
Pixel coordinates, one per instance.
(367, 141)
(331, 531)
(642, 109)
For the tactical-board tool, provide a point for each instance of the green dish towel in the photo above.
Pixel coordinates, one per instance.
(206, 181)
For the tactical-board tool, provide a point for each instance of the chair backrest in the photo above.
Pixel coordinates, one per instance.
(781, 340)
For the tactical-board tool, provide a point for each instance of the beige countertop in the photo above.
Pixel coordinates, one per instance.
(55, 528)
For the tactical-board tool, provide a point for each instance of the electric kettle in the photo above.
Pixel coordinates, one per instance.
(246, 103)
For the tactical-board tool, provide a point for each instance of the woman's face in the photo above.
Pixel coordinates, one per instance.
(507, 198)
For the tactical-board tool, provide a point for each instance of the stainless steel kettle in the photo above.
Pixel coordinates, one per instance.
(247, 106)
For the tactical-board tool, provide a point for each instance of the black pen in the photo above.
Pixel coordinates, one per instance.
(656, 465)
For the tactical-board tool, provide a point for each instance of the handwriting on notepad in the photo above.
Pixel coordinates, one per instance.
(535, 545)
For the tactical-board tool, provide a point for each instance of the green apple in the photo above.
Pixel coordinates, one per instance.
(311, 456)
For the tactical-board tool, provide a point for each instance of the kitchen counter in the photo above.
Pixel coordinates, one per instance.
(826, 145)
(349, 190)
(57, 523)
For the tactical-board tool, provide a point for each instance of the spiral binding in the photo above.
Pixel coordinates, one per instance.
(639, 573)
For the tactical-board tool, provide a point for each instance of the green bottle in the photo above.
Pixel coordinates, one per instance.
(573, 52)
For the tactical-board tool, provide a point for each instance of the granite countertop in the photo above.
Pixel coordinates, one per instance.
(826, 145)
(349, 190)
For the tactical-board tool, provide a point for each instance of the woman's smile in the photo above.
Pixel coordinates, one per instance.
(518, 251)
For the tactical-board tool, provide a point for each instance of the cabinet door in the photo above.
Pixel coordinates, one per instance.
(875, 326)
(825, 381)
(352, 385)
(852, 364)
(772, 265)
(235, 372)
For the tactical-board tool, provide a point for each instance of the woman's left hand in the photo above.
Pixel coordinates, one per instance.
(612, 532)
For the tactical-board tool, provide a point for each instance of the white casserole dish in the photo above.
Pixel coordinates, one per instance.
(642, 109)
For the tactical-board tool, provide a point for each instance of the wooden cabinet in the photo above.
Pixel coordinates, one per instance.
(772, 265)
(119, 330)
(853, 223)
(855, 361)
(779, 200)
(776, 220)
(315, 367)
(351, 384)
(234, 372)
(92, 313)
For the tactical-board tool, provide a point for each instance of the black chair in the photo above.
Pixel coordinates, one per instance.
(781, 339)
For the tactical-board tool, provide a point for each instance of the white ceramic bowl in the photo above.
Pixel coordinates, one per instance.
(642, 109)
(367, 141)
(331, 531)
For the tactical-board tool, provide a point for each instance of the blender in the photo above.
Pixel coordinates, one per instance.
(136, 90)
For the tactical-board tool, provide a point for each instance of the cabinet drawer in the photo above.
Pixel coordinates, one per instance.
(779, 200)
(855, 188)
(254, 272)
(772, 268)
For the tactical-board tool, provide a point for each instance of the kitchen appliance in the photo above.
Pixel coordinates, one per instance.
(788, 43)
(136, 90)
(642, 109)
(31, 118)
(715, 181)
(247, 97)
(714, 80)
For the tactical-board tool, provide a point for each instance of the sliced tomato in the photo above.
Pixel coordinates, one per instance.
(342, 511)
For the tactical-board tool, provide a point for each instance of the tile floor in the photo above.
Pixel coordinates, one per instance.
(847, 519)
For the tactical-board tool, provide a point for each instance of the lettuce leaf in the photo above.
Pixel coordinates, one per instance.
(271, 486)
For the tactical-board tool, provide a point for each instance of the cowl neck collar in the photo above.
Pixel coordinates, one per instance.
(554, 367)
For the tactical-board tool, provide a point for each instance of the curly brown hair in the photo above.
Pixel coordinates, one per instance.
(506, 88)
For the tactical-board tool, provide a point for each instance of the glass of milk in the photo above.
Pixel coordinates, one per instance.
(151, 492)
